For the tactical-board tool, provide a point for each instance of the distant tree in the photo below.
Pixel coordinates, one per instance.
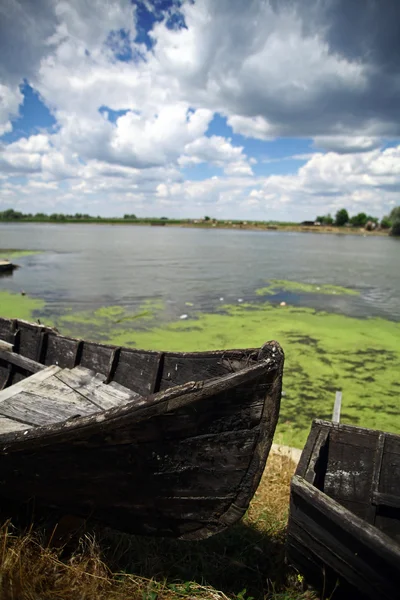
(324, 219)
(386, 223)
(207, 218)
(132, 217)
(164, 219)
(342, 217)
(359, 220)
(11, 215)
(395, 214)
(395, 219)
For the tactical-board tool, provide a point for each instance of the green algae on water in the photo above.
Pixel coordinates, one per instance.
(17, 306)
(108, 323)
(12, 253)
(280, 285)
(324, 353)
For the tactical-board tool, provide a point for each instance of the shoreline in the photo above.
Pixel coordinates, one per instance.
(245, 226)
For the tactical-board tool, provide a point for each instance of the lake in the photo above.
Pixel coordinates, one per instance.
(178, 289)
(84, 267)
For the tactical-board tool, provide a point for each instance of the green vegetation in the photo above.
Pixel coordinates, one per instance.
(342, 217)
(394, 218)
(361, 220)
(108, 322)
(324, 353)
(17, 306)
(277, 285)
(14, 253)
(325, 223)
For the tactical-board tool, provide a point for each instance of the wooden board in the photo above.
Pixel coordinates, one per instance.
(322, 534)
(345, 503)
(91, 386)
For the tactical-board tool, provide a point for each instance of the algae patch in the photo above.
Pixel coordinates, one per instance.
(108, 323)
(6, 253)
(16, 306)
(280, 285)
(324, 353)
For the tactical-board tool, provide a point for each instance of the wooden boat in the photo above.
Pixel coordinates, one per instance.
(158, 443)
(6, 266)
(344, 523)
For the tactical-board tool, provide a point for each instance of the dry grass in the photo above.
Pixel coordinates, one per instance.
(244, 563)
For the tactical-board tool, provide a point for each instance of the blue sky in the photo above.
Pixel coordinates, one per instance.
(257, 110)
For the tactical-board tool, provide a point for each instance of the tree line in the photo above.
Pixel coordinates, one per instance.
(389, 222)
(362, 219)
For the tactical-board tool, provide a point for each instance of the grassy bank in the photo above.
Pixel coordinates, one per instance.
(244, 563)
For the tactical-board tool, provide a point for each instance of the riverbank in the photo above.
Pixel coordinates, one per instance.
(212, 224)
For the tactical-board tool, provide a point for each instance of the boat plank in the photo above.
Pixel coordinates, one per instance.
(97, 357)
(42, 410)
(61, 351)
(37, 378)
(357, 551)
(136, 370)
(20, 361)
(7, 425)
(91, 386)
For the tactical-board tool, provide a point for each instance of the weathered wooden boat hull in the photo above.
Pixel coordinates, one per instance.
(344, 523)
(183, 460)
(6, 267)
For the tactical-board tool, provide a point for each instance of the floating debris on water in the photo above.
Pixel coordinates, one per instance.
(221, 299)
(282, 304)
(183, 317)
(189, 304)
(240, 299)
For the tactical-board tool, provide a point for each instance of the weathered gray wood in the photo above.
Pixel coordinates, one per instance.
(38, 377)
(6, 346)
(9, 425)
(346, 522)
(112, 365)
(20, 361)
(326, 533)
(391, 500)
(40, 411)
(337, 407)
(91, 386)
(312, 468)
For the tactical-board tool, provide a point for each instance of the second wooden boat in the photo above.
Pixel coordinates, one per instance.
(7, 266)
(170, 444)
(344, 523)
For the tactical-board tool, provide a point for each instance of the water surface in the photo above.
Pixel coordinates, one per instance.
(84, 267)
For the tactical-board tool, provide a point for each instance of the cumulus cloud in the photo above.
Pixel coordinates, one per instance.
(131, 117)
(347, 144)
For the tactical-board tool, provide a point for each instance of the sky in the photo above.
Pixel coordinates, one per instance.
(258, 109)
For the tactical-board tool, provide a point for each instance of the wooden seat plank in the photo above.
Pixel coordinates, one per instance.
(39, 410)
(36, 378)
(9, 425)
(92, 386)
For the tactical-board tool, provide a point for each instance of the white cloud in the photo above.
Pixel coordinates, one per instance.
(218, 151)
(272, 69)
(10, 99)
